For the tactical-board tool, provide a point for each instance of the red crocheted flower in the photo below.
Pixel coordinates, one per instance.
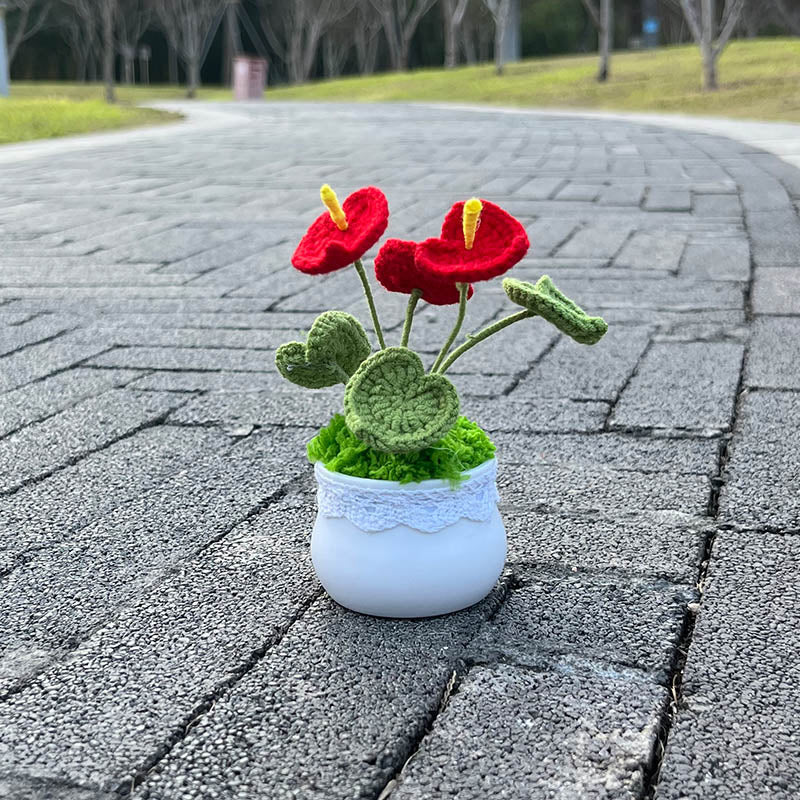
(397, 271)
(325, 248)
(500, 242)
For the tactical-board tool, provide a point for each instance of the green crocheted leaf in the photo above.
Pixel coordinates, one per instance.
(334, 348)
(548, 302)
(393, 406)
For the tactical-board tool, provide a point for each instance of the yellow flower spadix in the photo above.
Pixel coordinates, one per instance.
(331, 202)
(472, 218)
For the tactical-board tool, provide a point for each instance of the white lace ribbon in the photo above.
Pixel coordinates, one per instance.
(372, 508)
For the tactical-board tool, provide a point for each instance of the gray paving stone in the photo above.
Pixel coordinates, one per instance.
(772, 360)
(736, 730)
(47, 512)
(127, 688)
(195, 338)
(761, 482)
(597, 618)
(622, 194)
(717, 205)
(682, 385)
(596, 242)
(35, 451)
(539, 415)
(646, 251)
(777, 291)
(586, 373)
(188, 358)
(37, 330)
(654, 544)
(619, 451)
(775, 237)
(587, 491)
(332, 711)
(548, 232)
(41, 360)
(43, 398)
(511, 733)
(663, 199)
(292, 407)
(58, 597)
(717, 260)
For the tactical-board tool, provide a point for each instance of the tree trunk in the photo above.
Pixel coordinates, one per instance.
(708, 24)
(172, 61)
(709, 69)
(499, 35)
(606, 36)
(450, 44)
(193, 76)
(108, 49)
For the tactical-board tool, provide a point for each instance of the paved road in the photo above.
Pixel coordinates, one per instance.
(161, 631)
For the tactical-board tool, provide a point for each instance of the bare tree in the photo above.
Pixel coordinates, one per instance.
(294, 29)
(366, 32)
(77, 25)
(337, 43)
(602, 17)
(400, 20)
(709, 34)
(133, 19)
(24, 19)
(92, 12)
(499, 9)
(187, 24)
(453, 12)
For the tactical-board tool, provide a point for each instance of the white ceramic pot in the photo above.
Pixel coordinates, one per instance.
(408, 550)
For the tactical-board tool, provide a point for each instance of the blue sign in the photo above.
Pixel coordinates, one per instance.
(651, 25)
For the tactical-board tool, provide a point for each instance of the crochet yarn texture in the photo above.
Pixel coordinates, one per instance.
(326, 248)
(334, 348)
(397, 271)
(500, 242)
(544, 298)
(393, 406)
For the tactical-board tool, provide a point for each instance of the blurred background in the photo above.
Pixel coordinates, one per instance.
(63, 57)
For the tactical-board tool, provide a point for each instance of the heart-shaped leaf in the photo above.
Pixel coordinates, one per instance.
(393, 406)
(548, 302)
(334, 348)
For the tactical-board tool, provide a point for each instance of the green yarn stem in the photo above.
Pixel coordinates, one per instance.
(412, 304)
(463, 289)
(370, 302)
(484, 334)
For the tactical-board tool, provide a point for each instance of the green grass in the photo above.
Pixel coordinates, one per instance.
(759, 79)
(126, 95)
(25, 118)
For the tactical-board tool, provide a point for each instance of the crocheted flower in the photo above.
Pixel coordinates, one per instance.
(479, 241)
(397, 270)
(344, 233)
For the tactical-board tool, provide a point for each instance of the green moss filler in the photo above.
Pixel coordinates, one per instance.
(465, 447)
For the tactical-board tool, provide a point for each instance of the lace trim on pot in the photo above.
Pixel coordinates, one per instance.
(428, 510)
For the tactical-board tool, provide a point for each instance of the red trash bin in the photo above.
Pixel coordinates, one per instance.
(249, 77)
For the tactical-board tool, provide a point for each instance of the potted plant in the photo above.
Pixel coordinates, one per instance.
(407, 522)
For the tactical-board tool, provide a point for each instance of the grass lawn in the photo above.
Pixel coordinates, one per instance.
(25, 118)
(759, 79)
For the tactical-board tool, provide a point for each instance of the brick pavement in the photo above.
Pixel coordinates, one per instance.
(161, 631)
